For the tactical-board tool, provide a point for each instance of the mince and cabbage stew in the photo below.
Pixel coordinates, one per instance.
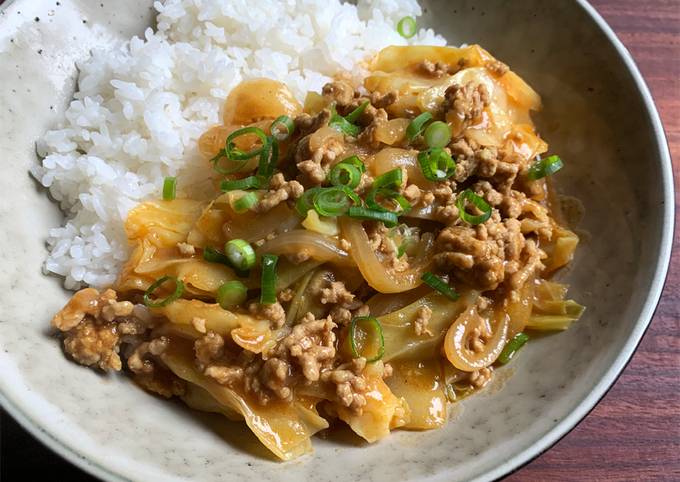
(368, 257)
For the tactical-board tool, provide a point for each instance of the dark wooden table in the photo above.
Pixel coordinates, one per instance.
(634, 433)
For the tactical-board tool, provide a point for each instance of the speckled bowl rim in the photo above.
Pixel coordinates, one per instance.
(545, 442)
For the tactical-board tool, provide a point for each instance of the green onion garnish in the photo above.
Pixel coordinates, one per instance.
(407, 27)
(402, 204)
(358, 338)
(211, 255)
(236, 157)
(512, 347)
(437, 134)
(356, 113)
(341, 124)
(234, 153)
(545, 167)
(245, 202)
(269, 157)
(356, 162)
(240, 254)
(282, 128)
(327, 201)
(306, 201)
(179, 289)
(387, 218)
(334, 201)
(250, 182)
(169, 188)
(417, 125)
(436, 164)
(438, 284)
(235, 166)
(476, 201)
(268, 280)
(345, 174)
(231, 293)
(390, 179)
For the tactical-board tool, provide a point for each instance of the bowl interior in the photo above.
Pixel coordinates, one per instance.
(594, 116)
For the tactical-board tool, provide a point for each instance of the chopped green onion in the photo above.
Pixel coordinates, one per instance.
(390, 179)
(236, 156)
(245, 202)
(356, 113)
(356, 162)
(512, 347)
(327, 201)
(545, 167)
(231, 293)
(345, 174)
(476, 201)
(437, 134)
(234, 153)
(438, 284)
(235, 165)
(387, 218)
(179, 289)
(269, 157)
(240, 254)
(268, 280)
(357, 339)
(354, 197)
(211, 255)
(169, 188)
(407, 27)
(334, 201)
(306, 201)
(282, 128)
(250, 182)
(436, 164)
(417, 125)
(341, 124)
(402, 203)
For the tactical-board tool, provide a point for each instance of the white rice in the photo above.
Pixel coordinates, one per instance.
(142, 105)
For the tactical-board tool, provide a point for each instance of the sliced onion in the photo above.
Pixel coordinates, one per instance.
(257, 99)
(455, 341)
(318, 246)
(381, 303)
(519, 310)
(392, 157)
(374, 271)
(392, 131)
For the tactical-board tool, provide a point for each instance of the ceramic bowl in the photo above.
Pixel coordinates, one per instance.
(598, 115)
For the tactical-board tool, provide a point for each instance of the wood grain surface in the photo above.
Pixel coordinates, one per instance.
(634, 432)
